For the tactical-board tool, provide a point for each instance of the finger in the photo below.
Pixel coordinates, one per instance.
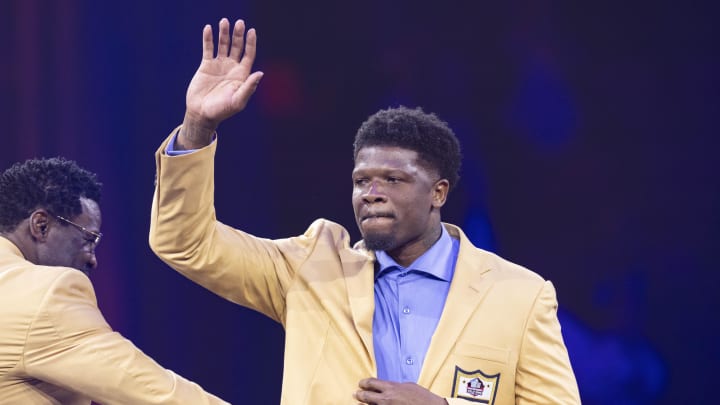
(207, 42)
(246, 90)
(238, 40)
(223, 38)
(374, 384)
(367, 397)
(250, 46)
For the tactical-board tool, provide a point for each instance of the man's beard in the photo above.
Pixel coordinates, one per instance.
(379, 242)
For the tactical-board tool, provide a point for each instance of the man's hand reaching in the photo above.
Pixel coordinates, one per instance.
(222, 84)
(379, 392)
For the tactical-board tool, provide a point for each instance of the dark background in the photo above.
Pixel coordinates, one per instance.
(590, 139)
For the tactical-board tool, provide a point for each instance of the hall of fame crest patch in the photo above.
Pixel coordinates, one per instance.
(475, 386)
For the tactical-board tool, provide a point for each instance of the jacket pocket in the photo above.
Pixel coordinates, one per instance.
(493, 354)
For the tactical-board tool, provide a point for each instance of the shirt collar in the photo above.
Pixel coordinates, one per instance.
(435, 261)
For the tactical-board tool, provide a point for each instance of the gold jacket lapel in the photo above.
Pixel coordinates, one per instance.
(469, 285)
(359, 279)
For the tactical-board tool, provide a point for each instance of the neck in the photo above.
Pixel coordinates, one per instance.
(405, 255)
(22, 244)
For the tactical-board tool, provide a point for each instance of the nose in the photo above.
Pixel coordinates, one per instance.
(91, 264)
(373, 194)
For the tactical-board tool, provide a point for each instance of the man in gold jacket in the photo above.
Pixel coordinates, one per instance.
(412, 314)
(55, 346)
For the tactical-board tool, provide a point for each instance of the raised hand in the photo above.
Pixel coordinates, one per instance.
(379, 392)
(222, 84)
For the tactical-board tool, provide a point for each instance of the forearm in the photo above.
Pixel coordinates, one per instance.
(182, 214)
(70, 345)
(111, 370)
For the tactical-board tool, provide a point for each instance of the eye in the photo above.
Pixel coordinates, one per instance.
(393, 180)
(360, 181)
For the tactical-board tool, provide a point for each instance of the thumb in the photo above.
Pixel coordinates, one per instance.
(247, 89)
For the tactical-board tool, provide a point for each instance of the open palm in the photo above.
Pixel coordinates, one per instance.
(224, 83)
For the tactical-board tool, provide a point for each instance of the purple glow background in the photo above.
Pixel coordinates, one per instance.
(590, 138)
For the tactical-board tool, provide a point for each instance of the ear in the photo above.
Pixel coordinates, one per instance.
(39, 224)
(440, 192)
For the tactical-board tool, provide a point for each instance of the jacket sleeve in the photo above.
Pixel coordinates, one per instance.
(544, 374)
(184, 233)
(69, 344)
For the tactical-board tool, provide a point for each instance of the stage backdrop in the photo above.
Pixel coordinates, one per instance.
(590, 139)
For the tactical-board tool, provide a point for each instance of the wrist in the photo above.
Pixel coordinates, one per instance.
(195, 133)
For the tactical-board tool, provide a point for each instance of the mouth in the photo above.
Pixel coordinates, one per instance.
(376, 217)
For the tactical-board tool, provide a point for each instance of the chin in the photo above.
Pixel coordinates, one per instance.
(83, 270)
(378, 241)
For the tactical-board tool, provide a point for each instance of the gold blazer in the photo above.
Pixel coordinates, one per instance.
(56, 348)
(498, 340)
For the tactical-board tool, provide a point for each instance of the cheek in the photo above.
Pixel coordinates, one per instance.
(71, 249)
(417, 210)
(355, 202)
(59, 253)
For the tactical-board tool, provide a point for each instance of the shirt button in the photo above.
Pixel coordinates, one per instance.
(406, 310)
(409, 361)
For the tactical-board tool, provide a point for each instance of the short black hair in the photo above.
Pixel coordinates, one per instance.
(414, 129)
(55, 184)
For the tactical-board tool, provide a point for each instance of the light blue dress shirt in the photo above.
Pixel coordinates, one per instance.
(408, 305)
